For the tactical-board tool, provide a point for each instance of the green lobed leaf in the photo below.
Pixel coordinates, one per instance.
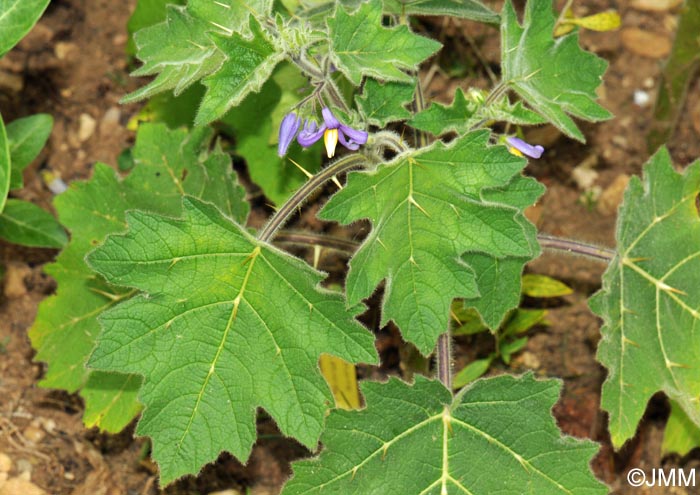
(681, 435)
(229, 16)
(650, 300)
(17, 17)
(249, 63)
(465, 113)
(27, 136)
(384, 103)
(428, 208)
(225, 324)
(145, 14)
(179, 50)
(5, 165)
(361, 46)
(565, 84)
(497, 436)
(22, 222)
(465, 9)
(168, 165)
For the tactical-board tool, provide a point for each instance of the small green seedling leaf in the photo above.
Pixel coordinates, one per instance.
(544, 286)
(209, 343)
(466, 185)
(681, 434)
(564, 85)
(523, 320)
(168, 165)
(650, 300)
(22, 222)
(17, 17)
(472, 371)
(5, 165)
(362, 46)
(509, 348)
(384, 103)
(27, 136)
(419, 439)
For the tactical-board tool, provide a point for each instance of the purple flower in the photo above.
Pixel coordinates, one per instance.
(332, 131)
(524, 148)
(288, 131)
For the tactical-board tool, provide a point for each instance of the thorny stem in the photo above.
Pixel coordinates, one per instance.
(576, 247)
(280, 217)
(345, 246)
(390, 140)
(444, 360)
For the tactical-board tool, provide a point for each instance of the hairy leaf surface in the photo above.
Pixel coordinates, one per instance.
(5, 165)
(463, 114)
(498, 436)
(384, 103)
(555, 77)
(466, 9)
(168, 165)
(428, 208)
(361, 46)
(225, 324)
(650, 300)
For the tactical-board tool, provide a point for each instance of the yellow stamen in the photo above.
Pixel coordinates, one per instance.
(514, 151)
(330, 139)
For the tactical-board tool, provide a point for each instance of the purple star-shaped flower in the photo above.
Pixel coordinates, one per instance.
(525, 148)
(332, 131)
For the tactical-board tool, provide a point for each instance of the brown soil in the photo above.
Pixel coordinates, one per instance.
(73, 67)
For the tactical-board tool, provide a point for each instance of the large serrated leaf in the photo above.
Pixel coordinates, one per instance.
(361, 46)
(565, 84)
(27, 137)
(17, 17)
(225, 324)
(179, 50)
(249, 63)
(496, 437)
(650, 300)
(428, 208)
(168, 165)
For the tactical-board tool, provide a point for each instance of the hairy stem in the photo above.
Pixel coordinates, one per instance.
(345, 246)
(576, 247)
(443, 358)
(280, 217)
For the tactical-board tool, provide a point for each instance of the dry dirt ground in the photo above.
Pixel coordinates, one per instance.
(73, 67)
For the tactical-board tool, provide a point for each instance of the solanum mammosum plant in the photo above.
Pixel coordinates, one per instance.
(170, 309)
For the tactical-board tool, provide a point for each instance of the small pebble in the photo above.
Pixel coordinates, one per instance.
(63, 50)
(648, 83)
(87, 127)
(5, 463)
(641, 98)
(25, 468)
(611, 197)
(15, 272)
(645, 43)
(34, 433)
(19, 486)
(655, 5)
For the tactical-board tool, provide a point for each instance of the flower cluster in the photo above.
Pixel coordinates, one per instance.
(519, 147)
(331, 130)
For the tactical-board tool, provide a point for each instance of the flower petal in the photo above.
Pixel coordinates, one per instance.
(288, 131)
(309, 134)
(329, 119)
(357, 136)
(348, 143)
(330, 139)
(525, 148)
